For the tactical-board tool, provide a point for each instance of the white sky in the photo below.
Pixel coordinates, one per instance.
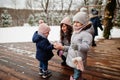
(10, 4)
(20, 4)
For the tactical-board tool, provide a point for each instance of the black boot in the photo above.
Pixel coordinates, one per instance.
(64, 60)
(46, 74)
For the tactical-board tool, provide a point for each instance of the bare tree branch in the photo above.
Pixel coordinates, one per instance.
(70, 6)
(14, 2)
(28, 4)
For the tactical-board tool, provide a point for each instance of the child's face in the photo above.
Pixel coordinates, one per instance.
(46, 34)
(77, 24)
(64, 28)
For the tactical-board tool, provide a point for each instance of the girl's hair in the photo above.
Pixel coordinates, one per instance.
(68, 33)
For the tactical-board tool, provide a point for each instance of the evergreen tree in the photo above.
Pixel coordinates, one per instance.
(37, 18)
(118, 19)
(6, 19)
(31, 20)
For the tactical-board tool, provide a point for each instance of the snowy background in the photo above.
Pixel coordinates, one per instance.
(25, 33)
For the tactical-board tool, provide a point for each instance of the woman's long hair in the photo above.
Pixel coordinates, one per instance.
(68, 33)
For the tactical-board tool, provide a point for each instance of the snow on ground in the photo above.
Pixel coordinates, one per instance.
(24, 34)
(115, 33)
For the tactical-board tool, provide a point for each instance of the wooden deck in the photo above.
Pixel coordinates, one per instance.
(17, 62)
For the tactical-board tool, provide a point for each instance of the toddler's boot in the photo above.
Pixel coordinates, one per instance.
(41, 72)
(46, 74)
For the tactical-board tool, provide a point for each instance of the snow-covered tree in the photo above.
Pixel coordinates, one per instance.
(118, 19)
(43, 16)
(31, 20)
(6, 19)
(37, 18)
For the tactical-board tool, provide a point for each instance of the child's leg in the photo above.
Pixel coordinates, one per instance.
(93, 41)
(46, 73)
(44, 65)
(40, 69)
(77, 74)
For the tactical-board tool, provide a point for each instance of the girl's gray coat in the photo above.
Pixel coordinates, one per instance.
(80, 44)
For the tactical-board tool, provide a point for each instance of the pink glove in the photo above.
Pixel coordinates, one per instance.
(61, 53)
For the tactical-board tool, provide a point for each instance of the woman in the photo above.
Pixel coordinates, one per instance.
(65, 37)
